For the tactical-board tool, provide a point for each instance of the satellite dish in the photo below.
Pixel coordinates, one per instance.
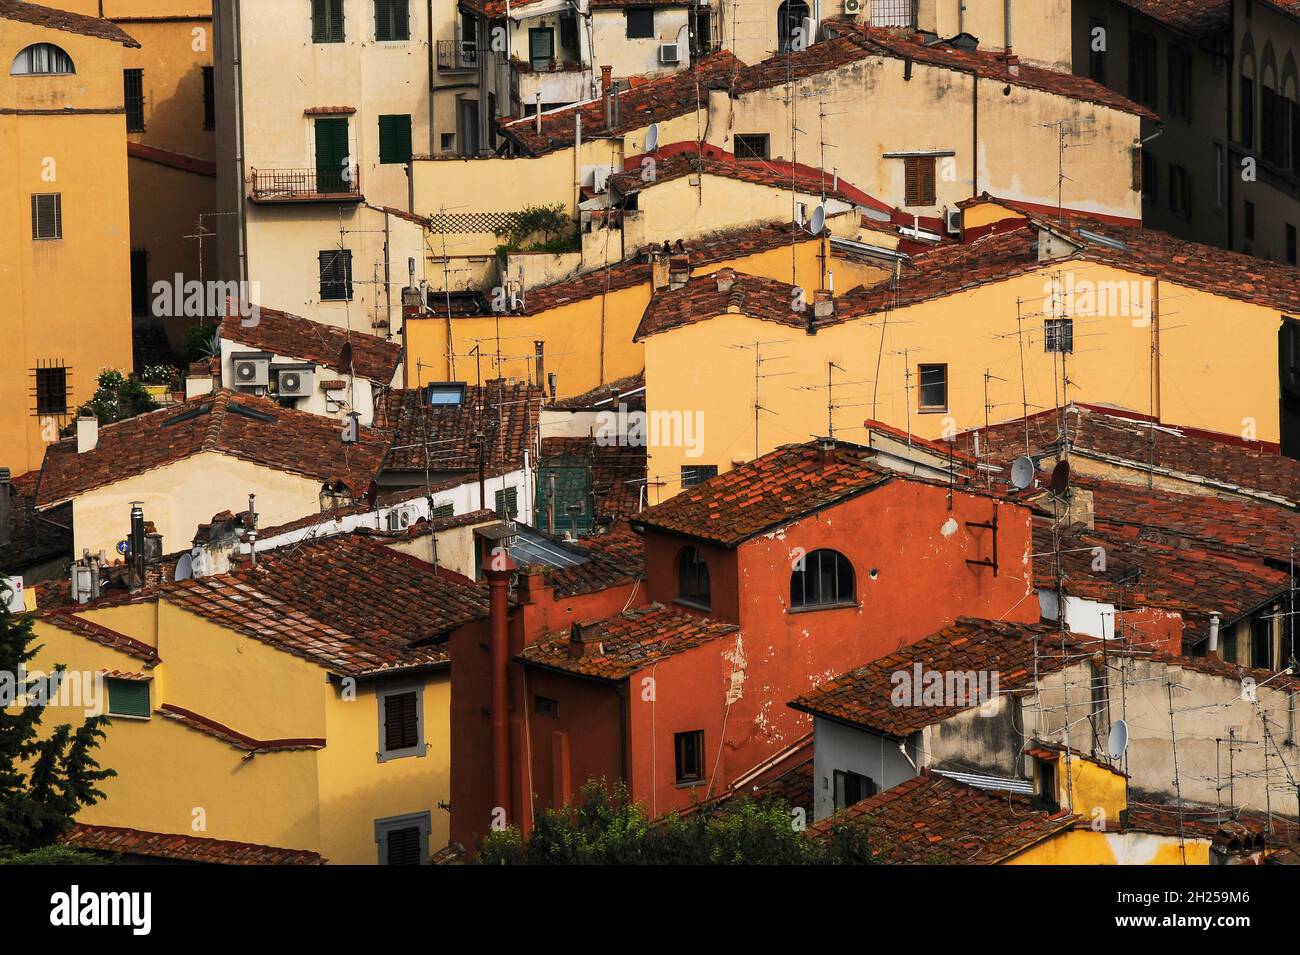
(1117, 742)
(1060, 482)
(652, 138)
(818, 220)
(184, 568)
(1022, 472)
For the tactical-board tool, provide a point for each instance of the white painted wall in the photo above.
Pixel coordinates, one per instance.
(359, 395)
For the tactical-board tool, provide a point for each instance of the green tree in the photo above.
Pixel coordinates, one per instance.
(43, 782)
(604, 827)
(116, 399)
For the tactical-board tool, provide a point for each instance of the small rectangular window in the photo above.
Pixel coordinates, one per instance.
(403, 840)
(133, 81)
(1180, 191)
(47, 215)
(697, 474)
(392, 20)
(918, 173)
(395, 139)
(640, 23)
(327, 21)
(1142, 67)
(127, 697)
(689, 757)
(1180, 83)
(1228, 644)
(541, 48)
(1058, 335)
(401, 723)
(1045, 785)
(852, 788)
(52, 391)
(1261, 642)
(1247, 112)
(752, 145)
(335, 275)
(209, 99)
(547, 707)
(933, 387)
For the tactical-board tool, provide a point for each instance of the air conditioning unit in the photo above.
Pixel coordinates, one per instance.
(852, 7)
(296, 381)
(250, 369)
(600, 179)
(669, 54)
(400, 518)
(952, 221)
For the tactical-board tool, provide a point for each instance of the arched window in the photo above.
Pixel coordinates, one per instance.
(789, 16)
(825, 579)
(42, 58)
(692, 578)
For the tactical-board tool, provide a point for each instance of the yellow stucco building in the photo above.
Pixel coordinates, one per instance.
(65, 255)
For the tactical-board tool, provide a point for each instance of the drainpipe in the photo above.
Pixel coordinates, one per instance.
(975, 135)
(1006, 24)
(498, 575)
(428, 22)
(238, 69)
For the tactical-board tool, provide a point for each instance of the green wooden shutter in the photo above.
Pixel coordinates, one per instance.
(394, 139)
(507, 502)
(318, 21)
(127, 697)
(331, 150)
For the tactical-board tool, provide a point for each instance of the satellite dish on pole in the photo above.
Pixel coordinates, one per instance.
(1117, 742)
(1060, 482)
(818, 221)
(1022, 472)
(652, 138)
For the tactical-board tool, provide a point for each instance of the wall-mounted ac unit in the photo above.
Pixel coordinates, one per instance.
(250, 369)
(852, 7)
(296, 381)
(400, 518)
(952, 221)
(669, 54)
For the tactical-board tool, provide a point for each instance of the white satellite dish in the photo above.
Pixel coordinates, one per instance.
(818, 220)
(1117, 742)
(652, 138)
(1022, 472)
(184, 568)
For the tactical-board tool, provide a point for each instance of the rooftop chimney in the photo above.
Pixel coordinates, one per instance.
(679, 271)
(826, 450)
(87, 433)
(198, 381)
(726, 279)
(585, 638)
(605, 73)
(1212, 648)
(658, 270)
(136, 553)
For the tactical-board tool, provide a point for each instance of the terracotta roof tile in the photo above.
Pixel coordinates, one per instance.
(64, 619)
(865, 696)
(173, 160)
(242, 426)
(618, 472)
(933, 820)
(778, 487)
(628, 642)
(441, 438)
(26, 12)
(162, 845)
(235, 738)
(34, 538)
(630, 391)
(613, 559)
(293, 337)
(1196, 18)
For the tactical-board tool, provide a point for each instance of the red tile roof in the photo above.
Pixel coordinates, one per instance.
(173, 160)
(628, 642)
(933, 820)
(706, 297)
(33, 538)
(630, 391)
(441, 438)
(26, 12)
(293, 337)
(779, 487)
(242, 426)
(1196, 18)
(348, 604)
(235, 738)
(65, 619)
(618, 473)
(162, 845)
(1139, 444)
(613, 559)
(865, 696)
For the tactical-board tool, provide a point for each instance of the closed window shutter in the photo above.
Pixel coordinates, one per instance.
(507, 502)
(318, 13)
(47, 215)
(912, 175)
(336, 21)
(383, 20)
(127, 697)
(394, 139)
(404, 846)
(401, 721)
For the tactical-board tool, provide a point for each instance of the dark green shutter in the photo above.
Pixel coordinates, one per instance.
(394, 139)
(507, 502)
(127, 697)
(331, 150)
(318, 21)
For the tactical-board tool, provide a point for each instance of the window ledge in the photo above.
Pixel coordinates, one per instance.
(814, 608)
(931, 410)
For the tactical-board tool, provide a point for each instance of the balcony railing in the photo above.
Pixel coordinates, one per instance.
(457, 55)
(306, 185)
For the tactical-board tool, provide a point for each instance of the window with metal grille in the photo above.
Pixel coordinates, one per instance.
(1180, 83)
(127, 697)
(401, 729)
(209, 99)
(47, 215)
(693, 578)
(752, 145)
(892, 13)
(823, 578)
(640, 23)
(51, 390)
(1058, 335)
(395, 139)
(335, 275)
(1142, 67)
(392, 20)
(507, 502)
(693, 474)
(934, 387)
(689, 757)
(327, 21)
(918, 175)
(139, 282)
(133, 82)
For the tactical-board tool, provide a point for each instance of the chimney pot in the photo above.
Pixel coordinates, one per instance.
(726, 280)
(87, 433)
(584, 638)
(605, 73)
